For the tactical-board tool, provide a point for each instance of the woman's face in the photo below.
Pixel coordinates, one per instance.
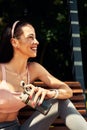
(27, 43)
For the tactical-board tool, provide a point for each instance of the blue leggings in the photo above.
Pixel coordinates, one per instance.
(63, 108)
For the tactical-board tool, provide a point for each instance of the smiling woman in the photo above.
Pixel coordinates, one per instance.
(19, 44)
(20, 40)
(27, 40)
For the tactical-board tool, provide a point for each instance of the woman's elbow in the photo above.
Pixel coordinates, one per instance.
(69, 93)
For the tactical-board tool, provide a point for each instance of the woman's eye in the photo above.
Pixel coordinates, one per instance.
(30, 37)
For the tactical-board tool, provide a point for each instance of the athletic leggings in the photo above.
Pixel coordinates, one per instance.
(63, 108)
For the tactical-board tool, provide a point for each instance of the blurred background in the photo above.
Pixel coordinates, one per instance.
(54, 26)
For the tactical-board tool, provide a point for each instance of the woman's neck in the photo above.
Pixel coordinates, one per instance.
(17, 66)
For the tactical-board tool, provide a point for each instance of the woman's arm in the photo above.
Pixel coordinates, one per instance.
(64, 91)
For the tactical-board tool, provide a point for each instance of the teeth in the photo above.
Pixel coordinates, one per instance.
(34, 48)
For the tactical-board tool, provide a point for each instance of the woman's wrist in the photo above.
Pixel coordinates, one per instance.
(56, 94)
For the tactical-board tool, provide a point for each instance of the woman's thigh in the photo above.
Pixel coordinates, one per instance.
(39, 121)
(72, 118)
(63, 108)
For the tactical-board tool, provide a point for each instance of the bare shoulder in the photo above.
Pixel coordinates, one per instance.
(38, 71)
(37, 67)
(35, 70)
(34, 65)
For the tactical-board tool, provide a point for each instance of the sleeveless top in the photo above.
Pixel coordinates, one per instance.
(9, 101)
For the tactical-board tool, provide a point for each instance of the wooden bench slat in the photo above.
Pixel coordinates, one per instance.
(58, 128)
(77, 91)
(77, 98)
(71, 84)
(80, 105)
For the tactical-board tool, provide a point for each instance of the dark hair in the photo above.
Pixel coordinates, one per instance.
(6, 48)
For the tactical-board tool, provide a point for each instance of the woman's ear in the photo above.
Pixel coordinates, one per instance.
(14, 42)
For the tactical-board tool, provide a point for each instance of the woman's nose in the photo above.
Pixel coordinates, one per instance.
(36, 41)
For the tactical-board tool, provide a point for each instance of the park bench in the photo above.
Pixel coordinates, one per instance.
(78, 99)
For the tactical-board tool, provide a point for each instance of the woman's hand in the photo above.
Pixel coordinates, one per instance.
(36, 93)
(42, 94)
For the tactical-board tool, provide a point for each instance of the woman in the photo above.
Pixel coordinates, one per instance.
(18, 44)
